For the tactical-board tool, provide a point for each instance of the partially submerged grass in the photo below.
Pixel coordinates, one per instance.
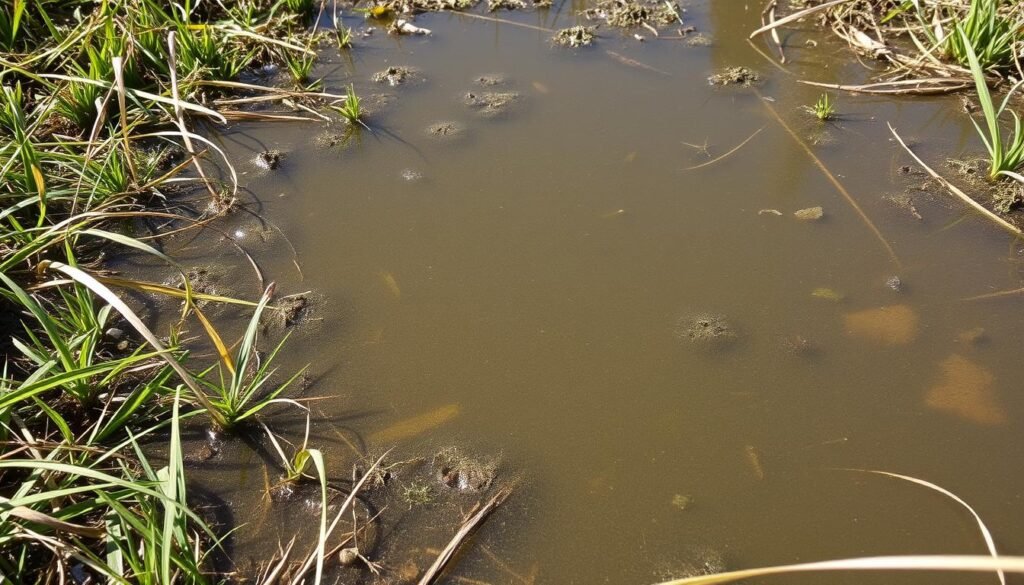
(1006, 153)
(95, 105)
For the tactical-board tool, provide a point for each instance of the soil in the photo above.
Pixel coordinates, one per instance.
(396, 75)
(491, 103)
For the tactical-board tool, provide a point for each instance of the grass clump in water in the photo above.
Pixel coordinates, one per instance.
(823, 109)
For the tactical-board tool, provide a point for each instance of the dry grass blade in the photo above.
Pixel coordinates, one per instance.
(973, 563)
(955, 190)
(930, 86)
(463, 533)
(720, 157)
(768, 18)
(796, 16)
(179, 116)
(50, 522)
(299, 576)
(985, 533)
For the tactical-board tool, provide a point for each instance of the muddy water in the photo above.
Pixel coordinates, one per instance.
(537, 277)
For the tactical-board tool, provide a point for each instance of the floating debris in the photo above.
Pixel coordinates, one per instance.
(809, 214)
(754, 461)
(391, 284)
(395, 75)
(491, 103)
(446, 129)
(892, 325)
(965, 390)
(769, 212)
(411, 175)
(828, 294)
(490, 80)
(268, 160)
(404, 27)
(894, 283)
(698, 40)
(574, 36)
(735, 76)
(797, 345)
(705, 328)
(682, 501)
(630, 13)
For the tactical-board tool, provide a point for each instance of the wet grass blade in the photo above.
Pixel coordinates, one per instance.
(130, 316)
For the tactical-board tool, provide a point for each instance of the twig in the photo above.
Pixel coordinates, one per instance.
(995, 295)
(500, 20)
(718, 158)
(634, 63)
(463, 533)
(955, 190)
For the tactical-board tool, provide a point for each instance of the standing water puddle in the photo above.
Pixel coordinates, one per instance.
(670, 366)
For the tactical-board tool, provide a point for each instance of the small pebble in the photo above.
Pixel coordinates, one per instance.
(809, 214)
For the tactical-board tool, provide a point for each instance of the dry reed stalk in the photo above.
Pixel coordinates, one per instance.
(468, 527)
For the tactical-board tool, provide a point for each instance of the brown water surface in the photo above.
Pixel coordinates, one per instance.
(528, 291)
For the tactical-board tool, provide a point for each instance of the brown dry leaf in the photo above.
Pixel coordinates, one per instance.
(892, 325)
(965, 390)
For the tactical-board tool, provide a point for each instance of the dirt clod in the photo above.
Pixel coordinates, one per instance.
(574, 36)
(735, 76)
(268, 160)
(491, 103)
(445, 129)
(705, 328)
(462, 473)
(395, 75)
